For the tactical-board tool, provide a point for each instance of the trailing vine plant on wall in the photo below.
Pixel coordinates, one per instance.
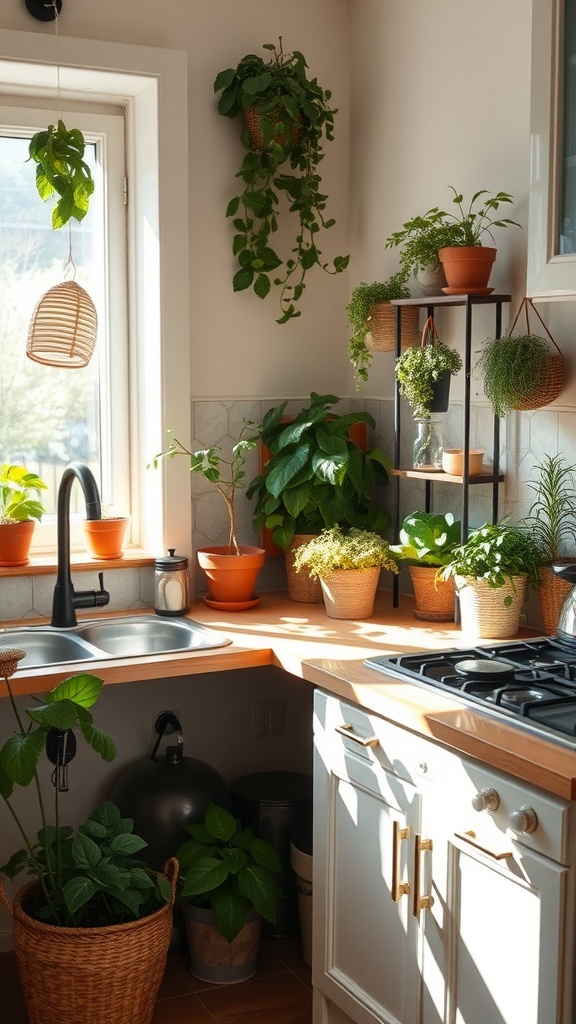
(285, 116)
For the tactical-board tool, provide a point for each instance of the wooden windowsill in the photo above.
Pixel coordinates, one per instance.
(47, 564)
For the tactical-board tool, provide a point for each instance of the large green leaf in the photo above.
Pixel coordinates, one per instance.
(257, 885)
(62, 715)
(285, 467)
(77, 892)
(229, 912)
(203, 875)
(19, 756)
(330, 468)
(83, 689)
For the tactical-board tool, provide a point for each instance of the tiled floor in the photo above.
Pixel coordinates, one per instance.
(279, 993)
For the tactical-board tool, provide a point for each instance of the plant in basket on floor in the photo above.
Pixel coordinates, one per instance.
(86, 879)
(427, 543)
(231, 569)
(229, 883)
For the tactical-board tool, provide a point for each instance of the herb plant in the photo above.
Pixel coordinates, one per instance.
(16, 501)
(495, 553)
(428, 539)
(59, 152)
(230, 869)
(87, 876)
(227, 475)
(418, 369)
(551, 519)
(420, 240)
(293, 116)
(362, 299)
(511, 367)
(335, 549)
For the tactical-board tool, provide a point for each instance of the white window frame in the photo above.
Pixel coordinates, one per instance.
(151, 84)
(549, 276)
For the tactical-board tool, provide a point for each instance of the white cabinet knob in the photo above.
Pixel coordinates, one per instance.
(524, 819)
(486, 800)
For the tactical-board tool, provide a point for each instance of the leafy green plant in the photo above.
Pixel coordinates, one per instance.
(229, 869)
(16, 502)
(419, 368)
(551, 519)
(226, 475)
(362, 299)
(511, 367)
(58, 152)
(420, 240)
(335, 549)
(316, 475)
(428, 539)
(86, 877)
(495, 553)
(293, 114)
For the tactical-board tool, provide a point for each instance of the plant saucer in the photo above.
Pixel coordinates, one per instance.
(467, 291)
(231, 606)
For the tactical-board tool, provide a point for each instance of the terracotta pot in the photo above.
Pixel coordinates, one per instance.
(467, 268)
(301, 585)
(105, 537)
(482, 609)
(435, 599)
(212, 957)
(15, 541)
(231, 578)
(350, 593)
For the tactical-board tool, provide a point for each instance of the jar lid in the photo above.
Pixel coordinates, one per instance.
(171, 561)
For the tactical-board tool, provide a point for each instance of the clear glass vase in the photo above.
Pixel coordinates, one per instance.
(427, 451)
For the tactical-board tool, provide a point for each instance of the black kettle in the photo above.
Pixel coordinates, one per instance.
(566, 631)
(163, 794)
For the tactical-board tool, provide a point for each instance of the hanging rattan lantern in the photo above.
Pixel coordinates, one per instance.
(63, 327)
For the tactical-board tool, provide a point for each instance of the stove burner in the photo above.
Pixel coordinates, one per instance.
(485, 669)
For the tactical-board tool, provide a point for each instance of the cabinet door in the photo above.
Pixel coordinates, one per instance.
(365, 953)
(493, 943)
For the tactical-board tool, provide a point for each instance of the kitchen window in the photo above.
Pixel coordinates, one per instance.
(552, 220)
(143, 90)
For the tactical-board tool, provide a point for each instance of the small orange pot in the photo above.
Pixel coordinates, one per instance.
(467, 268)
(105, 537)
(15, 541)
(231, 578)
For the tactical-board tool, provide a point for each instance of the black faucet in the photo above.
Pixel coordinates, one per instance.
(66, 599)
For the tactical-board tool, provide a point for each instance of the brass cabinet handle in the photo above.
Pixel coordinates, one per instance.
(470, 837)
(398, 888)
(347, 729)
(420, 902)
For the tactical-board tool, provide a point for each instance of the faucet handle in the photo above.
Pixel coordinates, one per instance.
(92, 598)
(101, 597)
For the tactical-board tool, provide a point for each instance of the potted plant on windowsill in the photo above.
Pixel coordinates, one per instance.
(284, 115)
(427, 542)
(373, 321)
(92, 929)
(492, 571)
(231, 569)
(348, 566)
(315, 475)
(229, 883)
(18, 510)
(105, 537)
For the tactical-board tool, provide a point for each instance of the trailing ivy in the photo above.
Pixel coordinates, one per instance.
(62, 171)
(293, 114)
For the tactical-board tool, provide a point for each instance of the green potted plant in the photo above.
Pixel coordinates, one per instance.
(62, 171)
(93, 922)
(420, 370)
(348, 565)
(18, 510)
(427, 542)
(420, 241)
(519, 372)
(316, 472)
(551, 521)
(373, 321)
(229, 883)
(285, 116)
(231, 569)
(492, 571)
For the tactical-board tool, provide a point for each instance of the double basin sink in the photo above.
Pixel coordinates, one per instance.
(133, 636)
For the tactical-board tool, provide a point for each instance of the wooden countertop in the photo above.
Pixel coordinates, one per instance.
(329, 653)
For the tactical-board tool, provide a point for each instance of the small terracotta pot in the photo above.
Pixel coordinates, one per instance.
(231, 578)
(105, 537)
(467, 268)
(15, 541)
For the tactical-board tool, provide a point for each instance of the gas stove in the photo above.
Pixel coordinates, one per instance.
(532, 683)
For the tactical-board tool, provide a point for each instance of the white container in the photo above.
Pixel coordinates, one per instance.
(453, 461)
(302, 866)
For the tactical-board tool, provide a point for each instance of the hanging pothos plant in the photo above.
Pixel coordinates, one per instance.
(62, 171)
(285, 116)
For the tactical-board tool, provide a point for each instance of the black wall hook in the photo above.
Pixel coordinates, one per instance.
(43, 10)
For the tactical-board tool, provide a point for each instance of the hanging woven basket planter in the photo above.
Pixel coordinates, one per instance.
(63, 327)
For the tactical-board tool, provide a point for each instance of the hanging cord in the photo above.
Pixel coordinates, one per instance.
(525, 305)
(58, 90)
(69, 266)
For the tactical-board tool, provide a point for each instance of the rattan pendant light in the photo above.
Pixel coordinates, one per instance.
(64, 323)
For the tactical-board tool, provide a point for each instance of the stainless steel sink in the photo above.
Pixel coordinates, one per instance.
(134, 636)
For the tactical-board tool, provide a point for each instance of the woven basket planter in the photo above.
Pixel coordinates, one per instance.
(253, 120)
(552, 593)
(350, 593)
(301, 585)
(382, 323)
(91, 975)
(435, 599)
(482, 610)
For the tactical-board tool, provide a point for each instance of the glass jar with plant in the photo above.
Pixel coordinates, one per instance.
(285, 116)
(85, 881)
(373, 321)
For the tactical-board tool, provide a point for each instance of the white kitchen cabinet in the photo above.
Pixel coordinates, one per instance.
(427, 910)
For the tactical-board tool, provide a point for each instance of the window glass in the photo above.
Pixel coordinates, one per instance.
(567, 240)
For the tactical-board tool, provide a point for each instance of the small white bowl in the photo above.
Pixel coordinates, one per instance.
(453, 461)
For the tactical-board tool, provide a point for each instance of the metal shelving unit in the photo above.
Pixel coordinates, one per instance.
(490, 475)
